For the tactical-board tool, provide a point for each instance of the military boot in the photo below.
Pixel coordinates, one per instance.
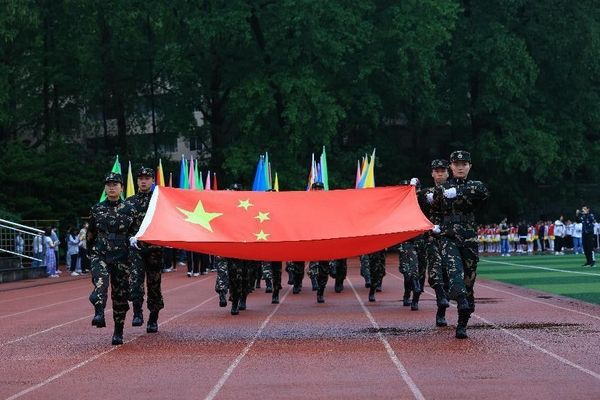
(152, 326)
(314, 283)
(461, 326)
(441, 298)
(367, 282)
(258, 283)
(339, 285)
(297, 284)
(440, 317)
(269, 284)
(242, 304)
(290, 278)
(414, 306)
(275, 297)
(222, 299)
(138, 315)
(118, 334)
(235, 306)
(98, 321)
(371, 294)
(320, 293)
(406, 299)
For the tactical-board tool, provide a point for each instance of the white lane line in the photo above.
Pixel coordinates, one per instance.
(215, 390)
(405, 376)
(87, 316)
(95, 357)
(48, 294)
(538, 301)
(42, 307)
(544, 268)
(528, 342)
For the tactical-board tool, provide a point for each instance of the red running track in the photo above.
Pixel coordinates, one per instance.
(523, 344)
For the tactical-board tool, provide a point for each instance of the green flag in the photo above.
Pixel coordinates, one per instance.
(116, 169)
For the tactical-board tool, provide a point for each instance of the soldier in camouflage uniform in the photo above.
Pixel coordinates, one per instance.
(272, 275)
(438, 272)
(338, 270)
(267, 275)
(313, 273)
(296, 269)
(408, 266)
(322, 275)
(364, 270)
(110, 227)
(456, 200)
(146, 260)
(221, 281)
(376, 263)
(239, 282)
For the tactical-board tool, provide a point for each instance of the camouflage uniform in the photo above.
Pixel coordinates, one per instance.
(110, 226)
(338, 270)
(146, 262)
(376, 262)
(409, 267)
(364, 270)
(238, 281)
(272, 273)
(322, 276)
(296, 268)
(222, 279)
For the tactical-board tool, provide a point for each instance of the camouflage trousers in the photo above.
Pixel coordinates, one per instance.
(461, 259)
(146, 265)
(272, 271)
(436, 269)
(118, 273)
(239, 278)
(408, 261)
(296, 268)
(222, 280)
(254, 271)
(338, 269)
(364, 268)
(376, 262)
(320, 270)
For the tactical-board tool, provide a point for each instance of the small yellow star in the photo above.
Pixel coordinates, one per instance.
(199, 216)
(262, 216)
(261, 235)
(245, 204)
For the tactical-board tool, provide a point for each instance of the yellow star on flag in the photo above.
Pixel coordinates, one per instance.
(261, 235)
(199, 216)
(262, 216)
(245, 204)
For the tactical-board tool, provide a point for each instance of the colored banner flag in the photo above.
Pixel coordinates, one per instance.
(295, 225)
(116, 169)
(370, 179)
(170, 179)
(191, 176)
(182, 174)
(207, 186)
(130, 186)
(160, 175)
(214, 182)
(276, 183)
(324, 172)
(198, 177)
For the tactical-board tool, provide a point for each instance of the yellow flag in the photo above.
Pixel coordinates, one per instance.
(130, 187)
(276, 184)
(370, 181)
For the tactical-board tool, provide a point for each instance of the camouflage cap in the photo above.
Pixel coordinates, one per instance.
(460, 155)
(113, 177)
(236, 186)
(145, 171)
(438, 163)
(318, 185)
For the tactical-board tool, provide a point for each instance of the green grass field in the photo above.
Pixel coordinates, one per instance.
(562, 275)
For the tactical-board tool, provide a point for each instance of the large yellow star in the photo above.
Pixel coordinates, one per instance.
(262, 216)
(245, 204)
(261, 235)
(199, 216)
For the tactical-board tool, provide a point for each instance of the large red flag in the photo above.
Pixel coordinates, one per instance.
(280, 226)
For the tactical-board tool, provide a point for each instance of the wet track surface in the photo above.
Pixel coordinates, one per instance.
(523, 344)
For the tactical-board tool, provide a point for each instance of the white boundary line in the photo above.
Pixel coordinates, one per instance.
(544, 268)
(35, 295)
(405, 376)
(42, 307)
(528, 342)
(87, 316)
(215, 390)
(89, 360)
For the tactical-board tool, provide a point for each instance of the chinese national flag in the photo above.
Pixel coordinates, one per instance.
(283, 226)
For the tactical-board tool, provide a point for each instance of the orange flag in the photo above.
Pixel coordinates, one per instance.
(280, 226)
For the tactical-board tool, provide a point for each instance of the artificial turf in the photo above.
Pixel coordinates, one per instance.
(563, 275)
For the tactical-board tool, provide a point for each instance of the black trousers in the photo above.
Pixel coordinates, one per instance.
(588, 247)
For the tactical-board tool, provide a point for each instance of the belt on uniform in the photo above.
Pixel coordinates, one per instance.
(454, 219)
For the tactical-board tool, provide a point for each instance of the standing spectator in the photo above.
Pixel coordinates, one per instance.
(54, 237)
(20, 247)
(50, 257)
(559, 236)
(503, 229)
(169, 259)
(597, 234)
(587, 221)
(84, 261)
(522, 232)
(73, 250)
(577, 232)
(550, 236)
(540, 236)
(568, 242)
(38, 250)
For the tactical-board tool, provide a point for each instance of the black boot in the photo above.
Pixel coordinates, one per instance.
(320, 297)
(461, 326)
(269, 284)
(339, 285)
(118, 334)
(242, 304)
(406, 299)
(290, 278)
(372, 294)
(235, 306)
(414, 306)
(367, 282)
(441, 298)
(275, 297)
(138, 315)
(152, 326)
(258, 283)
(314, 283)
(222, 299)
(297, 284)
(98, 321)
(440, 317)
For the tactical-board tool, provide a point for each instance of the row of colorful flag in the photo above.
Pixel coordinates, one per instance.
(190, 177)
